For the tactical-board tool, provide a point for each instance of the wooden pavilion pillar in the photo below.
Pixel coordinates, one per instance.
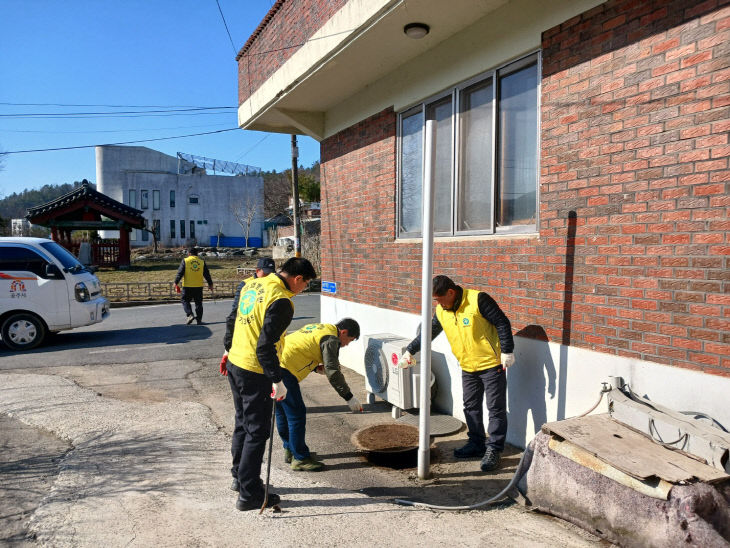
(124, 251)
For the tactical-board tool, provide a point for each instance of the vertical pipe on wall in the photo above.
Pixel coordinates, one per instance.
(424, 420)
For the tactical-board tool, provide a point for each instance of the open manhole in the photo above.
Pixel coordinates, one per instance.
(392, 445)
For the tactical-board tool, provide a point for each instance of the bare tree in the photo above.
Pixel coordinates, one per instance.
(277, 191)
(311, 251)
(244, 211)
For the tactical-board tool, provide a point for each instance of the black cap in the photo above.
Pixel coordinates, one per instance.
(266, 264)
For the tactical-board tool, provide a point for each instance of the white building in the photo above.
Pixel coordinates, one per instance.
(20, 227)
(179, 199)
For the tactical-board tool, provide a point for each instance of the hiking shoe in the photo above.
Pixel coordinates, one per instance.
(470, 451)
(288, 456)
(235, 485)
(306, 465)
(190, 320)
(256, 504)
(491, 459)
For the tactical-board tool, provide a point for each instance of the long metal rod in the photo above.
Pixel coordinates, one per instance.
(424, 419)
(268, 463)
(295, 197)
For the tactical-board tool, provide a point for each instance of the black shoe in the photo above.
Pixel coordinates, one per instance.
(470, 451)
(235, 485)
(190, 320)
(200, 322)
(244, 505)
(491, 459)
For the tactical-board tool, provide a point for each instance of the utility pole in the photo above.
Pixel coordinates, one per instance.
(295, 195)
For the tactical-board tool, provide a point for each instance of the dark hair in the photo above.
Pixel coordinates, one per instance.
(441, 284)
(299, 266)
(353, 328)
(193, 251)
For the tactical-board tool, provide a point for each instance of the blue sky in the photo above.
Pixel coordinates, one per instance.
(136, 52)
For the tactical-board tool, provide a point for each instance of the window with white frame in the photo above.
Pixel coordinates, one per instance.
(484, 148)
(155, 199)
(144, 196)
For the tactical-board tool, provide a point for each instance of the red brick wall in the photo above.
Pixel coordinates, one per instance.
(633, 257)
(284, 30)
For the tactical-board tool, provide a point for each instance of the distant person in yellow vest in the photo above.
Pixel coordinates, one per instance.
(480, 336)
(192, 271)
(263, 310)
(314, 347)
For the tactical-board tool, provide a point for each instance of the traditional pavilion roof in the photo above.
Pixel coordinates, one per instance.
(81, 199)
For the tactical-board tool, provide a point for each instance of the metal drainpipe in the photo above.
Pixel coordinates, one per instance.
(424, 419)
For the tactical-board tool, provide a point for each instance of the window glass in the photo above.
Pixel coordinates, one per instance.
(440, 113)
(156, 228)
(145, 235)
(475, 160)
(192, 199)
(155, 199)
(182, 229)
(411, 172)
(172, 198)
(21, 259)
(172, 229)
(132, 198)
(64, 256)
(517, 156)
(192, 229)
(144, 200)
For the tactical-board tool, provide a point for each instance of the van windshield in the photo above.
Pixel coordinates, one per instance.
(69, 262)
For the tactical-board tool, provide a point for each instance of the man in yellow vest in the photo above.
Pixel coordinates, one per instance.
(314, 347)
(192, 271)
(480, 336)
(263, 311)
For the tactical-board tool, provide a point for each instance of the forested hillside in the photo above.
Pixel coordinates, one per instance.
(16, 204)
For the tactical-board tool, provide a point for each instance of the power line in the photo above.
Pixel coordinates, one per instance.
(120, 143)
(103, 130)
(115, 113)
(253, 147)
(112, 115)
(107, 106)
(226, 25)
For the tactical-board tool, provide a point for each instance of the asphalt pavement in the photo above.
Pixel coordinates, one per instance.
(119, 434)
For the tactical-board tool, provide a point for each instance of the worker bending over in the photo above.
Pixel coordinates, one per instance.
(305, 350)
(480, 336)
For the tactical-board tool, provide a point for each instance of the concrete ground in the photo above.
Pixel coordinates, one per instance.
(138, 454)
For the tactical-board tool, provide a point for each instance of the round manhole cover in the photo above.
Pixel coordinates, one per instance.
(386, 438)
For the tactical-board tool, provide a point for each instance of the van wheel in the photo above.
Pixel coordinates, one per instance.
(23, 331)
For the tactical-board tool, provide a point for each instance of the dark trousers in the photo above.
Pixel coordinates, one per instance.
(492, 383)
(252, 400)
(291, 418)
(193, 294)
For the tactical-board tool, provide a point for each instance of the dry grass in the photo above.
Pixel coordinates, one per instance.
(163, 270)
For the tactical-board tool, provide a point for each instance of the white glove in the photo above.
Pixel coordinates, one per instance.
(278, 391)
(406, 360)
(507, 359)
(354, 404)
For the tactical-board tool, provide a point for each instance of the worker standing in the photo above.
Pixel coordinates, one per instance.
(192, 271)
(314, 347)
(263, 311)
(480, 336)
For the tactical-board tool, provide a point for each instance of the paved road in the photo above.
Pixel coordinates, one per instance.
(144, 334)
(119, 434)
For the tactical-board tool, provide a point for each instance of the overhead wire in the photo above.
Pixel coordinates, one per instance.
(235, 51)
(120, 143)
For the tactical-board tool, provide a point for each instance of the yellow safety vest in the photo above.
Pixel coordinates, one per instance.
(474, 340)
(193, 277)
(255, 298)
(302, 353)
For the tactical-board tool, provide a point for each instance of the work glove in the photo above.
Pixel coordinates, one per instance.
(177, 288)
(224, 361)
(278, 391)
(507, 360)
(406, 360)
(354, 404)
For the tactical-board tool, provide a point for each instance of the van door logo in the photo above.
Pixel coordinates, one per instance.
(17, 289)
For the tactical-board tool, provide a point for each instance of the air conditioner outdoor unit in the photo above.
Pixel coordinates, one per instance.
(384, 379)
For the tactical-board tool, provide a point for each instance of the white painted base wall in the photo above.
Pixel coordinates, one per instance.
(548, 382)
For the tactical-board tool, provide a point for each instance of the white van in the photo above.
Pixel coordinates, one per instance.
(44, 288)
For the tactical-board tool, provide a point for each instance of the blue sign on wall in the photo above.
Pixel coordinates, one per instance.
(329, 287)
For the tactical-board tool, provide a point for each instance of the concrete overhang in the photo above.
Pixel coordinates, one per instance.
(363, 42)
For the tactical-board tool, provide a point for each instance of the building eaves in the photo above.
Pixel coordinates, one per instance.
(262, 25)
